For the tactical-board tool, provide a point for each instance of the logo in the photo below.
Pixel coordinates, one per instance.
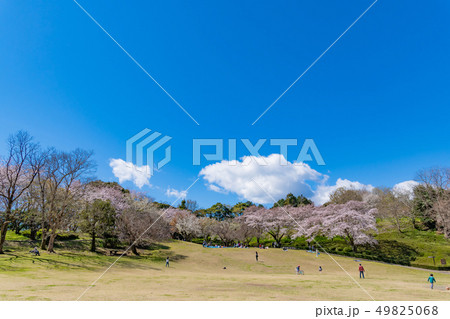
(144, 145)
(141, 149)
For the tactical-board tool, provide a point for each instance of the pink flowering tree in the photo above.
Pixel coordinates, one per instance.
(278, 222)
(353, 221)
(183, 223)
(253, 217)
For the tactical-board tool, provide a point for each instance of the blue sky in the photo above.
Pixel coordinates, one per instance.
(376, 105)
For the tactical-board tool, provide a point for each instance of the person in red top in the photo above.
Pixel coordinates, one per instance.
(361, 271)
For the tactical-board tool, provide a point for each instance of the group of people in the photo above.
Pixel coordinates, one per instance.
(298, 271)
(361, 269)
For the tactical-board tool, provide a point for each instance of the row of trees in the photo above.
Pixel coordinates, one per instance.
(51, 192)
(426, 206)
(353, 221)
(48, 192)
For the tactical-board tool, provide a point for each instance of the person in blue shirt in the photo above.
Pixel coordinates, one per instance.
(431, 280)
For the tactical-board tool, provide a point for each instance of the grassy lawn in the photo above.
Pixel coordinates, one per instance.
(13, 236)
(198, 273)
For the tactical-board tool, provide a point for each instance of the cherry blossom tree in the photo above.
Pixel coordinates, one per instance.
(253, 217)
(244, 232)
(278, 222)
(183, 223)
(352, 220)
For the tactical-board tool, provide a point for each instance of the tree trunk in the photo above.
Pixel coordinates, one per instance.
(33, 232)
(352, 243)
(134, 250)
(93, 248)
(353, 246)
(3, 230)
(51, 242)
(44, 239)
(397, 223)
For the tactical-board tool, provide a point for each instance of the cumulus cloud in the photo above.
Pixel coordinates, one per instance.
(261, 179)
(323, 192)
(171, 192)
(405, 188)
(126, 171)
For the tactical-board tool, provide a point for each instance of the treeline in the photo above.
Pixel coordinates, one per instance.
(50, 192)
(426, 206)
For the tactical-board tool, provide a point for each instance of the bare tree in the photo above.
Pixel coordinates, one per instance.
(343, 195)
(66, 172)
(17, 172)
(191, 205)
(244, 232)
(207, 226)
(226, 231)
(392, 206)
(435, 191)
(441, 209)
(435, 177)
(141, 223)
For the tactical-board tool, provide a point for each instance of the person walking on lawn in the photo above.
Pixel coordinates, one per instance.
(431, 280)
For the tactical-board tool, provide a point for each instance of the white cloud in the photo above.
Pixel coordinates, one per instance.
(171, 192)
(323, 192)
(253, 176)
(217, 189)
(125, 171)
(405, 188)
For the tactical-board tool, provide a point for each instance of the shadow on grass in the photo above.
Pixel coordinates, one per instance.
(22, 262)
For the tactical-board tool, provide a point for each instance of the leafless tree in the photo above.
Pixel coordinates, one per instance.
(436, 177)
(441, 209)
(66, 173)
(226, 231)
(207, 226)
(244, 232)
(141, 223)
(18, 170)
(437, 184)
(393, 206)
(191, 205)
(343, 195)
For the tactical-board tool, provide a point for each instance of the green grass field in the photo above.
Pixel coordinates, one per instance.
(197, 273)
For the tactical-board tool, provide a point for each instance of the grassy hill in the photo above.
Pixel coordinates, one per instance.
(410, 247)
(198, 273)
